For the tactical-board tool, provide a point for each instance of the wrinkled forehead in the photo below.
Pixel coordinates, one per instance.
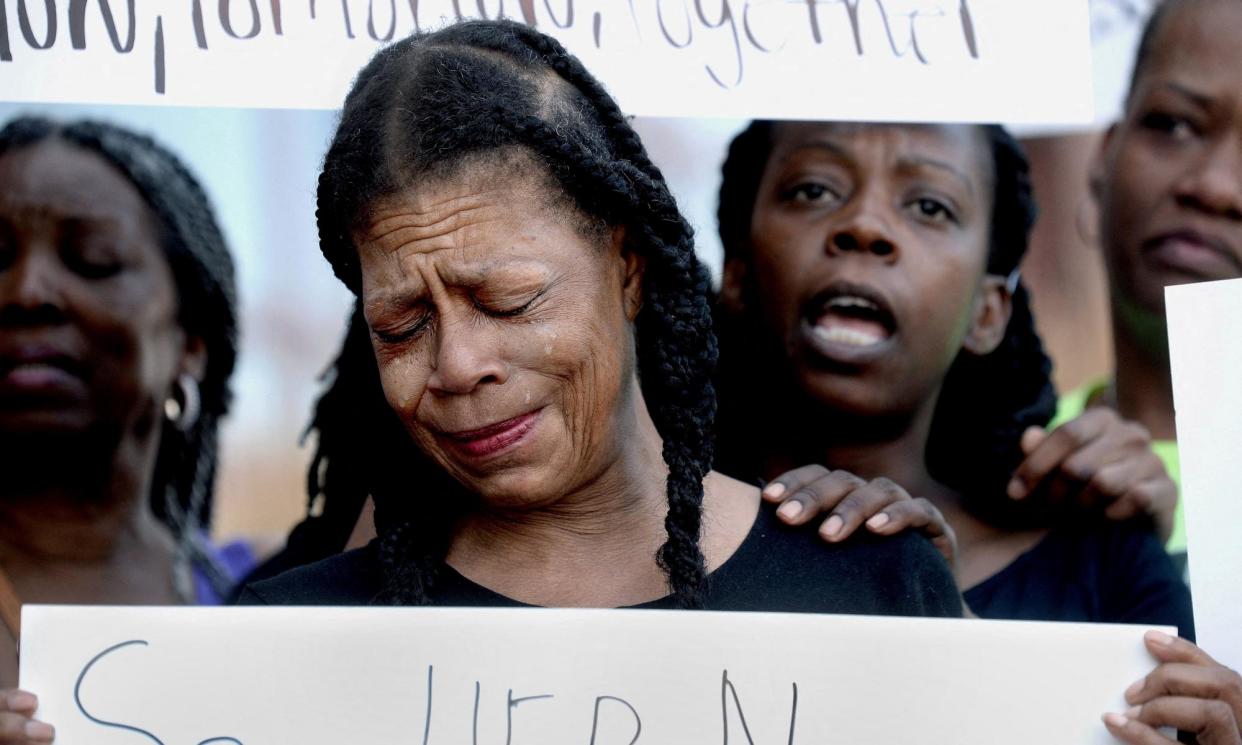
(465, 229)
(958, 150)
(475, 186)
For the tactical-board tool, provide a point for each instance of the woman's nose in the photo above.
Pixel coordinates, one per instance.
(30, 291)
(863, 230)
(467, 358)
(1214, 184)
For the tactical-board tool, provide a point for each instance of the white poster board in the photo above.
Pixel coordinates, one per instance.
(1205, 348)
(268, 676)
(1017, 61)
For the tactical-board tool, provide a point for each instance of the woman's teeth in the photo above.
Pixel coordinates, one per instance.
(854, 337)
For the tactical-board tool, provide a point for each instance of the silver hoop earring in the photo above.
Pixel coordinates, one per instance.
(184, 405)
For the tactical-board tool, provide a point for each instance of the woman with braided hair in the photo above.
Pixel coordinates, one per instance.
(530, 364)
(871, 298)
(117, 340)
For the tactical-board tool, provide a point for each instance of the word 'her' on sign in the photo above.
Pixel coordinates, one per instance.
(625, 721)
(443, 676)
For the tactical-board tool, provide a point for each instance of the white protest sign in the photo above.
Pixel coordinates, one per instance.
(445, 676)
(1205, 351)
(902, 60)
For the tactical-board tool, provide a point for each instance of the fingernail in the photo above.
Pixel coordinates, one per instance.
(1115, 720)
(23, 701)
(1016, 489)
(878, 521)
(40, 731)
(790, 510)
(774, 490)
(1157, 637)
(832, 526)
(1134, 689)
(1134, 711)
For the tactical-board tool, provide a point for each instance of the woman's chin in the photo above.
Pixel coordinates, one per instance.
(42, 421)
(519, 489)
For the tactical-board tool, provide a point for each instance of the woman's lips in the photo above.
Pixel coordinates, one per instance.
(494, 439)
(1196, 254)
(35, 370)
(848, 323)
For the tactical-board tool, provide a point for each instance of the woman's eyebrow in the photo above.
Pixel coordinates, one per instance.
(1201, 100)
(915, 162)
(821, 146)
(387, 303)
(476, 274)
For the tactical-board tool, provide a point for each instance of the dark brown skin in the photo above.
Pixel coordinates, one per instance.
(89, 349)
(1188, 690)
(865, 195)
(1168, 181)
(489, 300)
(1169, 185)
(901, 214)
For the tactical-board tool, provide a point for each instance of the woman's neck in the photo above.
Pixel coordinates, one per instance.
(896, 449)
(1143, 381)
(592, 547)
(869, 447)
(86, 510)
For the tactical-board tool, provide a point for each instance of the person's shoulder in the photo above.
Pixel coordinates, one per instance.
(793, 568)
(350, 578)
(906, 558)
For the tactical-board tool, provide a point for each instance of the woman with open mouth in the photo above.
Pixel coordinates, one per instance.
(873, 268)
(872, 319)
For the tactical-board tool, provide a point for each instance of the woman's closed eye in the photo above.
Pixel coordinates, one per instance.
(91, 253)
(92, 262)
(401, 331)
(506, 307)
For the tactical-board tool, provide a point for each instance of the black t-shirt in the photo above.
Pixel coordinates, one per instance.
(1105, 571)
(777, 568)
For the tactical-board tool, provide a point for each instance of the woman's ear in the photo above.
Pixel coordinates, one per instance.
(633, 266)
(194, 358)
(1095, 175)
(993, 307)
(732, 286)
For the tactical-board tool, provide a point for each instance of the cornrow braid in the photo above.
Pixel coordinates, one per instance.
(986, 402)
(203, 271)
(423, 107)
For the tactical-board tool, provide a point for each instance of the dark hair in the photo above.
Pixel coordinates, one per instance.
(986, 402)
(423, 107)
(203, 272)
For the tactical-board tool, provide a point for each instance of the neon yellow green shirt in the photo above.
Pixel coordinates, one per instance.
(1075, 402)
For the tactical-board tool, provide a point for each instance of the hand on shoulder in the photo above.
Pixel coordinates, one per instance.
(847, 502)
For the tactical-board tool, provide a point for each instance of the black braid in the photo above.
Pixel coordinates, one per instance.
(203, 271)
(424, 106)
(985, 403)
